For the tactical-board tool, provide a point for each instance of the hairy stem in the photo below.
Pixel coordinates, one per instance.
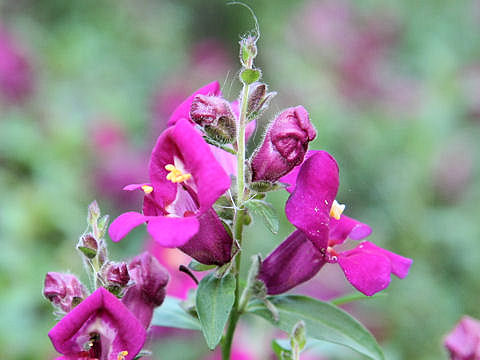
(238, 222)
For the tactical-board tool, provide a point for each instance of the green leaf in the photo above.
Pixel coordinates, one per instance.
(172, 314)
(282, 348)
(249, 76)
(197, 266)
(355, 297)
(324, 321)
(215, 298)
(266, 212)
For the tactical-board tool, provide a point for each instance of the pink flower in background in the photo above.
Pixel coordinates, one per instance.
(116, 161)
(100, 327)
(208, 59)
(463, 342)
(357, 49)
(16, 77)
(180, 282)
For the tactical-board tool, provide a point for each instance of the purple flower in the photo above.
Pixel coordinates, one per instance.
(150, 279)
(313, 210)
(16, 80)
(63, 290)
(463, 342)
(284, 146)
(186, 180)
(100, 327)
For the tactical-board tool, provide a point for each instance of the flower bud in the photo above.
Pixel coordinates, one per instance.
(284, 146)
(248, 50)
(88, 245)
(216, 117)
(258, 100)
(64, 291)
(150, 279)
(116, 277)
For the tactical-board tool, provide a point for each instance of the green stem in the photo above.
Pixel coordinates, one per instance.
(238, 223)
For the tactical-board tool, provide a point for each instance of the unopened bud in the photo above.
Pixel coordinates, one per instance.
(284, 146)
(299, 335)
(257, 93)
(88, 245)
(215, 115)
(258, 100)
(248, 50)
(148, 292)
(116, 277)
(93, 213)
(64, 291)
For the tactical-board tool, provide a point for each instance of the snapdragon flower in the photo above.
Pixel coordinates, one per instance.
(100, 327)
(186, 180)
(321, 226)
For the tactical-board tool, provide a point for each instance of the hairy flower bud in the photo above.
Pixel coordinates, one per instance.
(150, 279)
(116, 277)
(258, 100)
(284, 146)
(216, 117)
(88, 245)
(64, 291)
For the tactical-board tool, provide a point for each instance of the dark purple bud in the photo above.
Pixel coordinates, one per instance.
(116, 277)
(284, 146)
(216, 117)
(148, 292)
(64, 291)
(88, 245)
(258, 100)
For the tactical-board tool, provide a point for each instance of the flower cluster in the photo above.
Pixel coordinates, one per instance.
(111, 323)
(203, 187)
(187, 177)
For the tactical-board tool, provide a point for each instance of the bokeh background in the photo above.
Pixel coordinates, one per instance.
(392, 86)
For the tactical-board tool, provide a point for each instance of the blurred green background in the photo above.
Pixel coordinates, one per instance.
(393, 88)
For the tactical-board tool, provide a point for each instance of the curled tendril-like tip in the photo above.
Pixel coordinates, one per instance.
(256, 31)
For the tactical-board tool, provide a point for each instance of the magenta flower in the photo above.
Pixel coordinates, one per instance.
(185, 182)
(150, 279)
(463, 342)
(284, 146)
(63, 290)
(16, 79)
(100, 327)
(313, 210)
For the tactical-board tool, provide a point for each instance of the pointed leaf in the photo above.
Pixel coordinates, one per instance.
(266, 212)
(198, 266)
(171, 314)
(324, 321)
(215, 298)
